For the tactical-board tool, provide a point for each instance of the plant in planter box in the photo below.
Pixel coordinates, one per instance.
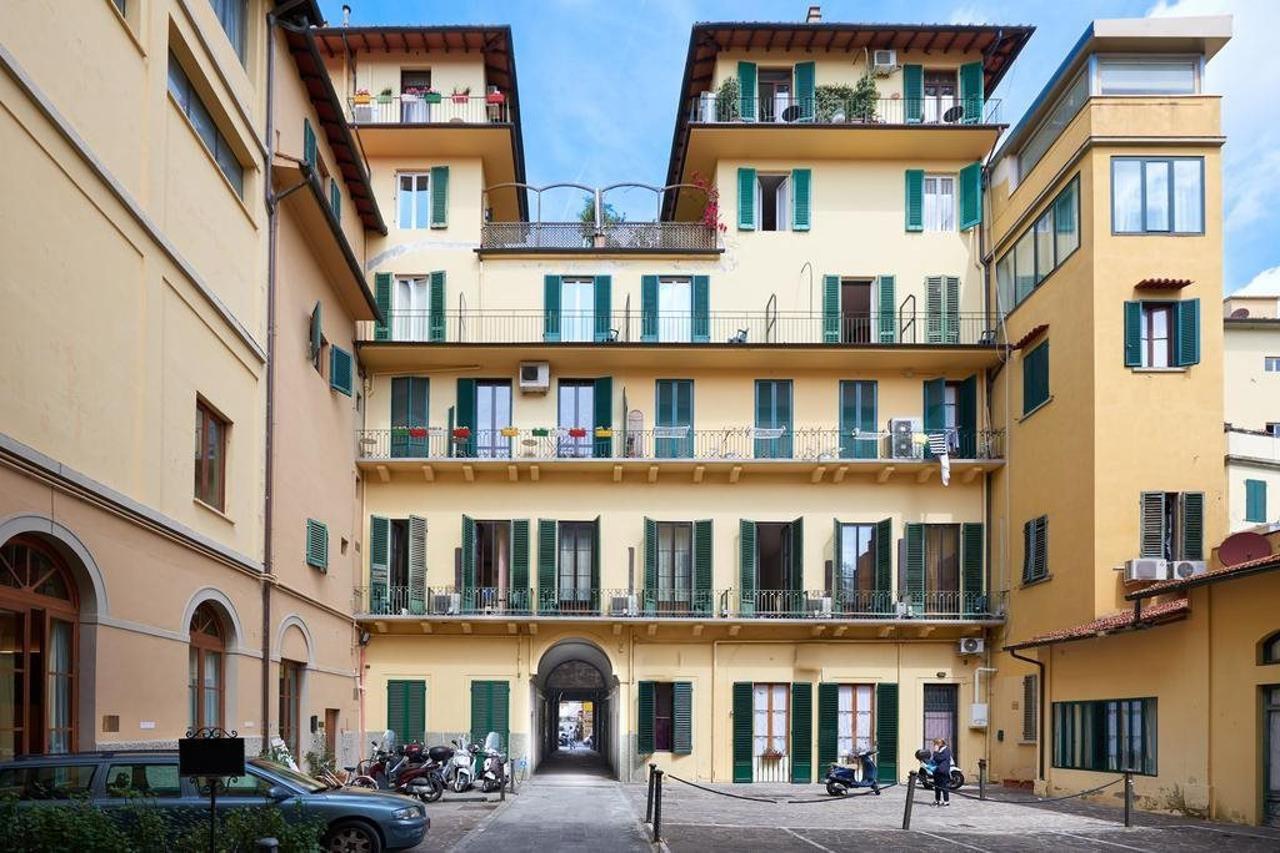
(728, 103)
(862, 105)
(461, 94)
(494, 96)
(362, 96)
(385, 96)
(431, 96)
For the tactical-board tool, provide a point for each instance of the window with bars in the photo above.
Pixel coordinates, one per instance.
(1109, 735)
(1030, 708)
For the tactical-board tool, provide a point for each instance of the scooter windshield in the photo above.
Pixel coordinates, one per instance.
(492, 742)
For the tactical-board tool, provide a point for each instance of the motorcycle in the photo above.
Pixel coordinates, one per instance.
(459, 772)
(842, 777)
(925, 773)
(493, 773)
(403, 769)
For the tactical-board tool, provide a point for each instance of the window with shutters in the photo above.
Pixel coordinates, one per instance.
(941, 96)
(210, 456)
(773, 193)
(855, 720)
(315, 339)
(663, 714)
(856, 552)
(1108, 735)
(410, 397)
(674, 565)
(410, 308)
(1035, 378)
(413, 200)
(335, 199)
(1255, 501)
(776, 95)
(773, 437)
(1157, 334)
(577, 309)
(342, 370)
(575, 566)
(492, 562)
(317, 544)
(1035, 556)
(1172, 525)
(1044, 246)
(406, 709)
(771, 704)
(576, 414)
(1030, 708)
(939, 202)
(1163, 195)
(675, 309)
(202, 121)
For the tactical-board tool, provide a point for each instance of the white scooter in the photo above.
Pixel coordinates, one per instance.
(458, 772)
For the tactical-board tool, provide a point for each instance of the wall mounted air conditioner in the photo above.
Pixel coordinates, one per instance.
(978, 715)
(884, 62)
(1146, 569)
(902, 438)
(1183, 569)
(535, 377)
(623, 605)
(972, 646)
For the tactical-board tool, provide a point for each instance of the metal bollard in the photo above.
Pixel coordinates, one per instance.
(648, 805)
(657, 807)
(1128, 798)
(911, 796)
(982, 778)
(502, 787)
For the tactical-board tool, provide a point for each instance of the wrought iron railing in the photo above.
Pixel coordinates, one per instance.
(613, 236)
(568, 601)
(672, 443)
(430, 109)
(707, 108)
(748, 328)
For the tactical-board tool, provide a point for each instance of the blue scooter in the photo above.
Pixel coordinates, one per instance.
(842, 777)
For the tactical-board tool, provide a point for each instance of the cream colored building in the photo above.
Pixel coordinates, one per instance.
(1251, 360)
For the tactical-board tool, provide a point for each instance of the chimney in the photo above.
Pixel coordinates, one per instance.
(814, 16)
(346, 15)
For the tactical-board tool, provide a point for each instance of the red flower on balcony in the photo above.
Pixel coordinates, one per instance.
(577, 432)
(710, 213)
(417, 432)
(462, 433)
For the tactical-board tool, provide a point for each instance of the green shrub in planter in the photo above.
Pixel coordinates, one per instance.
(728, 100)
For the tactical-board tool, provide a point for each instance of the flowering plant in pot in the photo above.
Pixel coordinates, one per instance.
(362, 96)
(461, 94)
(494, 96)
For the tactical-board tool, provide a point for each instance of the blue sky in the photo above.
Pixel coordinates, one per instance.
(599, 82)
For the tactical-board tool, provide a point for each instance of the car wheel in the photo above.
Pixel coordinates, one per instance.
(353, 838)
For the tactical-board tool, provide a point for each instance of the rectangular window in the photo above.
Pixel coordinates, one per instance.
(189, 100)
(1148, 76)
(940, 201)
(855, 721)
(1109, 735)
(675, 309)
(577, 411)
(855, 561)
(1030, 708)
(1041, 249)
(773, 194)
(210, 457)
(942, 563)
(413, 201)
(493, 414)
(673, 425)
(1271, 363)
(411, 309)
(770, 724)
(675, 565)
(1255, 501)
(577, 547)
(577, 309)
(1035, 378)
(51, 782)
(290, 703)
(1035, 557)
(410, 398)
(1171, 525)
(1157, 195)
(143, 780)
(663, 715)
(1024, 266)
(1044, 245)
(234, 17)
(335, 199)
(1157, 334)
(773, 419)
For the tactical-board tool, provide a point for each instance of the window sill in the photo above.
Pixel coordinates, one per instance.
(1158, 369)
(1026, 415)
(213, 509)
(1037, 581)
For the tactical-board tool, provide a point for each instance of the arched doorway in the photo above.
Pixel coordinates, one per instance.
(575, 710)
(207, 679)
(39, 655)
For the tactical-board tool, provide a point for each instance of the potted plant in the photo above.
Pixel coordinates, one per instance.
(385, 96)
(604, 432)
(541, 432)
(431, 96)
(462, 433)
(494, 96)
(509, 432)
(461, 94)
(362, 96)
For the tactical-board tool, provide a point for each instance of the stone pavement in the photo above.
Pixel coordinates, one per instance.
(570, 804)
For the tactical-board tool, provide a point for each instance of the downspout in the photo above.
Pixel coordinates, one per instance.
(1041, 687)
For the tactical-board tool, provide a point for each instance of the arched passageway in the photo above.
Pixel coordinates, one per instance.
(575, 711)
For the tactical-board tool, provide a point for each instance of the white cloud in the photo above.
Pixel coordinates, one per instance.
(969, 13)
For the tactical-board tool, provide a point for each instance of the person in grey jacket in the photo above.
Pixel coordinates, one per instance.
(941, 758)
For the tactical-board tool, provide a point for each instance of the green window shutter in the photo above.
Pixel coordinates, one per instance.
(935, 397)
(1152, 526)
(650, 565)
(1133, 334)
(1040, 557)
(801, 732)
(828, 725)
(887, 731)
(682, 718)
(742, 731)
(702, 566)
(417, 707)
(466, 416)
(382, 297)
(1187, 343)
(913, 93)
(551, 308)
(950, 310)
(834, 587)
(747, 90)
(886, 305)
(972, 568)
(701, 309)
(644, 717)
(915, 565)
(417, 565)
(603, 307)
(971, 94)
(648, 308)
(1035, 378)
(309, 154)
(409, 399)
(805, 85)
(1255, 501)
(435, 320)
(797, 555)
(746, 199)
(970, 196)
(520, 564)
(967, 418)
(1028, 551)
(801, 198)
(884, 564)
(316, 337)
(317, 545)
(602, 400)
(933, 309)
(747, 566)
(481, 709)
(468, 562)
(546, 566)
(379, 562)
(407, 710)
(831, 309)
(1192, 526)
(341, 370)
(439, 196)
(335, 199)
(397, 713)
(914, 204)
(595, 565)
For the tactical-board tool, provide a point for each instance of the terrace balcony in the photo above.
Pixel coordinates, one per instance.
(706, 108)
(808, 606)
(413, 110)
(682, 238)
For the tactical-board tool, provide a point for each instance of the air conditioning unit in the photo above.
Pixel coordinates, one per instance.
(902, 438)
(535, 377)
(455, 603)
(1183, 569)
(623, 605)
(978, 715)
(884, 62)
(972, 646)
(1146, 569)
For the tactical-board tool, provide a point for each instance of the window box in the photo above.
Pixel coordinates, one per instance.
(362, 98)
(509, 432)
(432, 97)
(541, 432)
(462, 433)
(495, 97)
(577, 432)
(604, 432)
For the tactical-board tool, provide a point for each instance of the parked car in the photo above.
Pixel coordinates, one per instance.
(357, 819)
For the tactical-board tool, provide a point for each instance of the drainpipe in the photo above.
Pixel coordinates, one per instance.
(1041, 687)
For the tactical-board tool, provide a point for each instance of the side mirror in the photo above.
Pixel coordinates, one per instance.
(278, 793)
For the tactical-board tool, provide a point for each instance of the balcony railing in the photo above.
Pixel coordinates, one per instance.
(671, 443)
(754, 328)
(414, 109)
(614, 236)
(571, 601)
(785, 109)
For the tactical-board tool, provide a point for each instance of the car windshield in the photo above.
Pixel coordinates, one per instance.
(293, 777)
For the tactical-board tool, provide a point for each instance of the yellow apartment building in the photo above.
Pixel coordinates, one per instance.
(186, 207)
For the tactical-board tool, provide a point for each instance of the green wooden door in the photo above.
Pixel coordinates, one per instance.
(801, 732)
(490, 711)
(742, 720)
(887, 731)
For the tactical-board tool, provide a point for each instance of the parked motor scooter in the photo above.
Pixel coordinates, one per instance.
(401, 769)
(459, 772)
(925, 774)
(493, 772)
(842, 777)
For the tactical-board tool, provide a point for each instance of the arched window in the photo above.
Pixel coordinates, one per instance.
(205, 682)
(1269, 649)
(38, 610)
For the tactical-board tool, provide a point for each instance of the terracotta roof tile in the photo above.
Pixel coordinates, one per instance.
(1162, 284)
(1031, 335)
(1120, 621)
(1249, 567)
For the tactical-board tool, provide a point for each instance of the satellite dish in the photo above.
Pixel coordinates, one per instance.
(1242, 547)
(1240, 314)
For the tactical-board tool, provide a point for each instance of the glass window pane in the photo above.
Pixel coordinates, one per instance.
(1004, 282)
(1147, 77)
(178, 84)
(1066, 224)
(1157, 195)
(675, 310)
(405, 205)
(577, 310)
(1024, 257)
(421, 199)
(1044, 245)
(1188, 196)
(1126, 196)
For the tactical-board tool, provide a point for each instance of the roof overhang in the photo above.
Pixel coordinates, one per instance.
(1260, 566)
(1119, 623)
